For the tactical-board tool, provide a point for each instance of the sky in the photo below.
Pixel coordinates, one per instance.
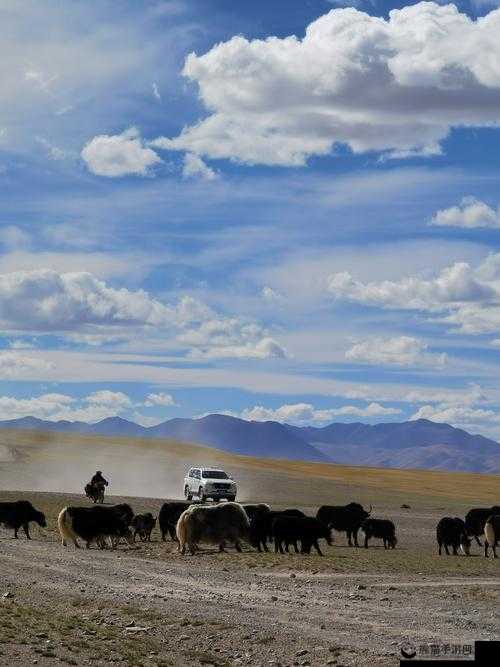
(284, 210)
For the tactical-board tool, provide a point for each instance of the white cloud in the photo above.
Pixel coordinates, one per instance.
(374, 84)
(145, 420)
(91, 408)
(54, 152)
(195, 167)
(465, 397)
(305, 413)
(89, 311)
(454, 284)
(162, 399)
(400, 351)
(468, 418)
(119, 155)
(231, 338)
(20, 344)
(16, 366)
(156, 92)
(471, 213)
(96, 340)
(41, 406)
(47, 300)
(266, 348)
(471, 409)
(371, 410)
(466, 298)
(116, 400)
(55, 407)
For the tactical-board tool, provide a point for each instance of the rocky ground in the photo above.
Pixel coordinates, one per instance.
(147, 605)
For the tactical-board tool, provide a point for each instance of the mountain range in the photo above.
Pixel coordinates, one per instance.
(412, 444)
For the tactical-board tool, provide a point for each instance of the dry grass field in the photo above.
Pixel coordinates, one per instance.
(147, 605)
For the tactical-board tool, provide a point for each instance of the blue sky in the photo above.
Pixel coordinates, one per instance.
(282, 210)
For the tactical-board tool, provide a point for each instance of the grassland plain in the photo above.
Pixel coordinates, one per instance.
(147, 605)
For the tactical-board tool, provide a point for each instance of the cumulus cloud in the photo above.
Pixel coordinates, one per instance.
(374, 84)
(91, 408)
(48, 300)
(55, 407)
(454, 284)
(467, 298)
(195, 167)
(466, 417)
(160, 399)
(231, 338)
(471, 408)
(471, 213)
(399, 351)
(115, 400)
(305, 413)
(88, 310)
(119, 155)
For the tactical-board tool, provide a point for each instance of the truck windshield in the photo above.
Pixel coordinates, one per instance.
(214, 474)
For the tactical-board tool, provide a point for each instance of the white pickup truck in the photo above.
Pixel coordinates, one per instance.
(209, 483)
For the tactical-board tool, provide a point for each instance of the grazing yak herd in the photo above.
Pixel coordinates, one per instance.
(231, 523)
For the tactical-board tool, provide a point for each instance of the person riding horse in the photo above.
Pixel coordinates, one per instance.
(95, 489)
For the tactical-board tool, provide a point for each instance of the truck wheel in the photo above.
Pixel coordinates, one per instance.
(187, 494)
(201, 495)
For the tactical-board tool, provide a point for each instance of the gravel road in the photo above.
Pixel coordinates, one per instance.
(147, 605)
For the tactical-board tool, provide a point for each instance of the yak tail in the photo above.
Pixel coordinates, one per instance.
(181, 532)
(489, 533)
(65, 525)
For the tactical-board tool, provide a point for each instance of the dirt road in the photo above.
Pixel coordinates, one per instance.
(150, 606)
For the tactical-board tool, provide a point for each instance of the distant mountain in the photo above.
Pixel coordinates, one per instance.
(412, 444)
(110, 426)
(267, 439)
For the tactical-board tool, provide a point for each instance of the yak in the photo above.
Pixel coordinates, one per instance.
(261, 526)
(169, 515)
(344, 518)
(383, 529)
(19, 514)
(253, 510)
(143, 525)
(451, 532)
(476, 518)
(308, 530)
(92, 524)
(215, 524)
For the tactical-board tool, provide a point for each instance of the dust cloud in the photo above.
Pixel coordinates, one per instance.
(66, 467)
(64, 463)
